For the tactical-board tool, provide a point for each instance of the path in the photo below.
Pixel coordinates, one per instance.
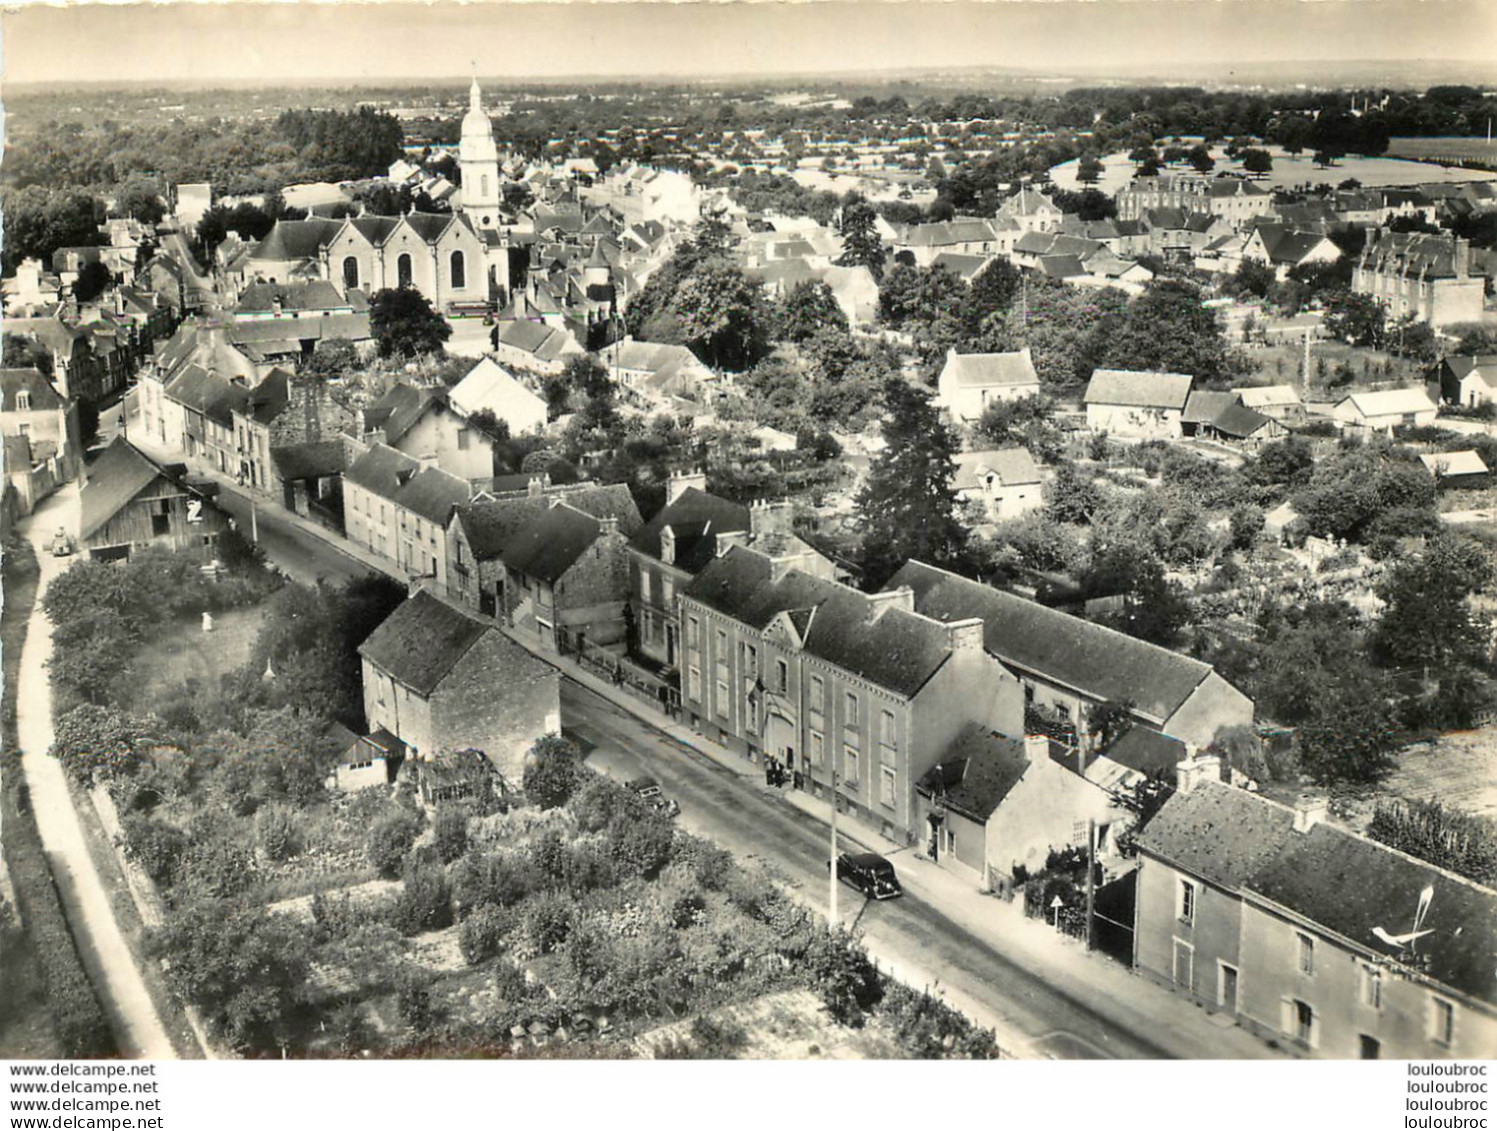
(106, 955)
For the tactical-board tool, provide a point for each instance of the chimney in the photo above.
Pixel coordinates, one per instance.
(608, 526)
(879, 603)
(535, 487)
(965, 635)
(1462, 258)
(1196, 768)
(727, 539)
(1309, 812)
(1037, 747)
(426, 462)
(767, 518)
(667, 545)
(680, 481)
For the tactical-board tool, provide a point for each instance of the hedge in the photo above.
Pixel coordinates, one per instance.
(77, 1015)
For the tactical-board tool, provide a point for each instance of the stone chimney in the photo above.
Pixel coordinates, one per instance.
(880, 603)
(608, 526)
(1196, 768)
(1462, 260)
(667, 545)
(1309, 812)
(767, 518)
(965, 635)
(679, 481)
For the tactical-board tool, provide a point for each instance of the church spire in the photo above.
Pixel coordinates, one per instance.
(475, 97)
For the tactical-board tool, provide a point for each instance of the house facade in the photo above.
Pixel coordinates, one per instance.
(1145, 406)
(443, 681)
(566, 578)
(398, 508)
(855, 693)
(1001, 484)
(422, 424)
(970, 382)
(1423, 276)
(41, 433)
(1300, 930)
(1384, 410)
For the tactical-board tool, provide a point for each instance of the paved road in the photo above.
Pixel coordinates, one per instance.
(301, 555)
(138, 1028)
(914, 936)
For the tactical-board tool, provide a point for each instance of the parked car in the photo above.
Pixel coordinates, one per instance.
(62, 545)
(649, 790)
(870, 874)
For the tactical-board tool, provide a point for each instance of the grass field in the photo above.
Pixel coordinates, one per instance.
(1282, 362)
(1444, 149)
(185, 652)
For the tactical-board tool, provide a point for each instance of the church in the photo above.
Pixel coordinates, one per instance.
(458, 260)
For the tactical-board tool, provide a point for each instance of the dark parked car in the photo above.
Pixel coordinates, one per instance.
(649, 790)
(870, 873)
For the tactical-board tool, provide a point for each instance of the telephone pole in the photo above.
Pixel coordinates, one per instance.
(1091, 878)
(831, 921)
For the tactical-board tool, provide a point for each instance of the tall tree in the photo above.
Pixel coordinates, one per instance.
(908, 506)
(723, 315)
(808, 309)
(405, 325)
(861, 245)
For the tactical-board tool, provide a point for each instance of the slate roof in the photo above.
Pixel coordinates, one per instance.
(1203, 406)
(976, 772)
(116, 477)
(1219, 833)
(1414, 253)
(898, 650)
(1239, 422)
(1267, 396)
(1099, 662)
(696, 519)
(421, 641)
(550, 543)
(962, 266)
(432, 493)
(991, 370)
(375, 229)
(269, 398)
(544, 342)
(1146, 751)
(489, 386)
(381, 470)
(314, 459)
(1061, 267)
(32, 382)
(296, 239)
(313, 294)
(1349, 885)
(401, 409)
(1141, 389)
(1012, 466)
(216, 398)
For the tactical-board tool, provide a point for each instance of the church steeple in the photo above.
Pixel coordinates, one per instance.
(478, 157)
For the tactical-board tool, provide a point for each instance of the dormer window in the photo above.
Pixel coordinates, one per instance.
(23, 402)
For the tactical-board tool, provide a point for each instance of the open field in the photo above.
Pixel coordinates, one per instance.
(1444, 149)
(185, 652)
(1290, 171)
(1282, 362)
(1458, 770)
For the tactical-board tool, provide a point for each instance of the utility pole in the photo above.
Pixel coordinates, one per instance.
(254, 525)
(831, 921)
(1091, 878)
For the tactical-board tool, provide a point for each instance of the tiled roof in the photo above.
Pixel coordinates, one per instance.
(1390, 402)
(992, 370)
(421, 641)
(296, 239)
(1219, 833)
(314, 459)
(217, 398)
(1099, 662)
(695, 518)
(976, 772)
(1011, 466)
(401, 409)
(1140, 389)
(550, 543)
(897, 650)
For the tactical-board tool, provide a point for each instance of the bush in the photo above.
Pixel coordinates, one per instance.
(217, 864)
(425, 901)
(278, 833)
(156, 846)
(843, 976)
(553, 772)
(450, 829)
(482, 934)
(548, 921)
(641, 842)
(929, 1029)
(390, 839)
(502, 879)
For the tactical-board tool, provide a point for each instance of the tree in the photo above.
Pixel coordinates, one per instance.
(723, 316)
(1255, 277)
(1245, 523)
(843, 976)
(1168, 329)
(98, 743)
(1460, 842)
(1089, 171)
(1353, 740)
(1356, 319)
(809, 308)
(390, 838)
(1200, 159)
(861, 245)
(37, 221)
(1428, 621)
(553, 771)
(25, 353)
(93, 280)
(908, 507)
(404, 324)
(1257, 161)
(140, 198)
(246, 970)
(1071, 496)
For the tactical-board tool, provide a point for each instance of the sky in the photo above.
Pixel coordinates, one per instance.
(381, 41)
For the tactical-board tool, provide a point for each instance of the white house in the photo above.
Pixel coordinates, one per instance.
(972, 381)
(1005, 482)
(487, 387)
(1385, 409)
(1145, 405)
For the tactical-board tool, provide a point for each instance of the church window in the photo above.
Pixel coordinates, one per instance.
(350, 272)
(403, 270)
(459, 270)
(483, 187)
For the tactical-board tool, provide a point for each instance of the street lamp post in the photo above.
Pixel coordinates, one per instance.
(832, 869)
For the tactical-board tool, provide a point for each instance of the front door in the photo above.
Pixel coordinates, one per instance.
(1228, 995)
(1184, 965)
(1369, 1048)
(933, 846)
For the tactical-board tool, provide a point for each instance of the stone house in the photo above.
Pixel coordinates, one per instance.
(421, 423)
(970, 382)
(441, 681)
(1139, 405)
(44, 448)
(398, 508)
(1426, 277)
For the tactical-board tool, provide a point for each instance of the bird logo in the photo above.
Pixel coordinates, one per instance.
(1407, 941)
